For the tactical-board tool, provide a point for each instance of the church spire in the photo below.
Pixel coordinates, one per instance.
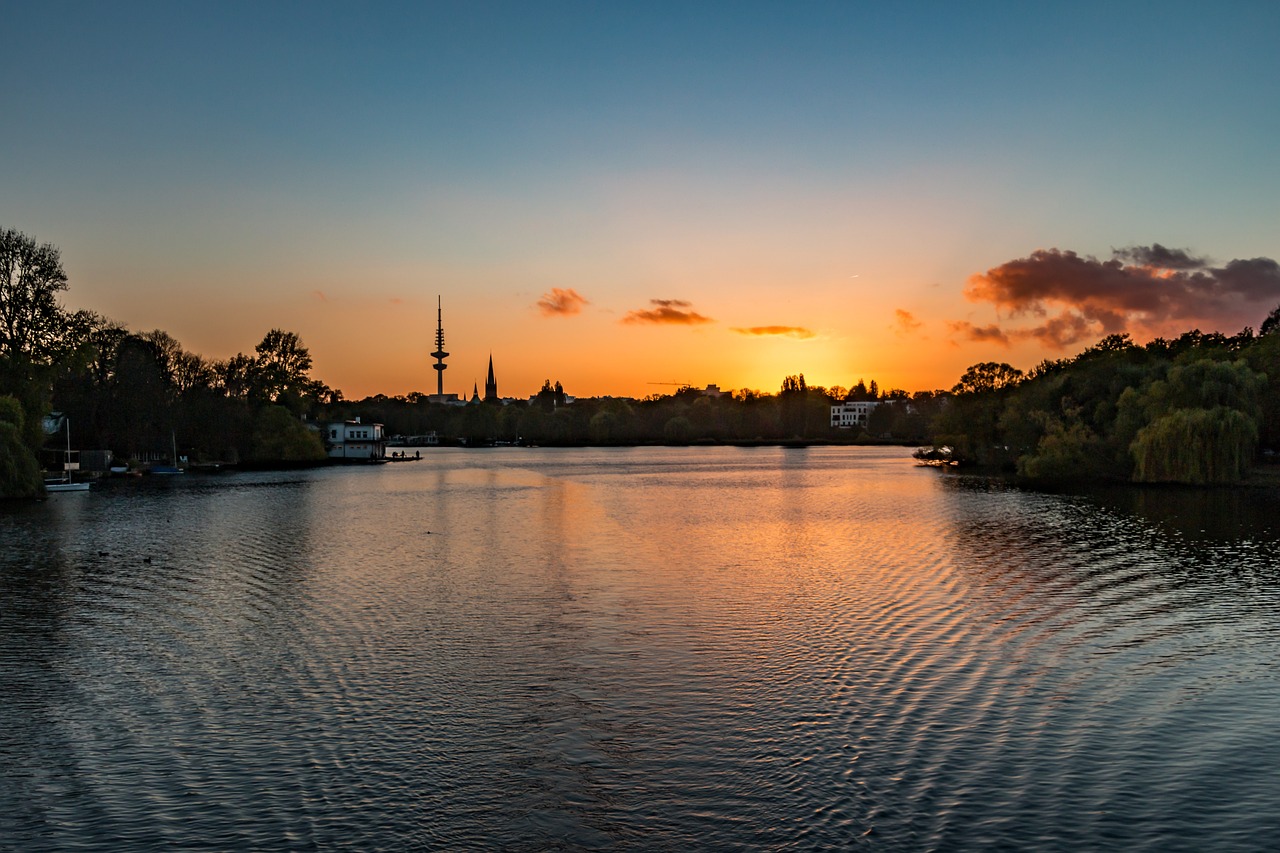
(491, 384)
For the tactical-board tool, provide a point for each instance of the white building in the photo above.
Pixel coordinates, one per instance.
(849, 415)
(355, 441)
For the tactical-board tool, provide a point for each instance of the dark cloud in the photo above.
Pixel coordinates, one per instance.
(786, 331)
(1059, 332)
(1256, 279)
(980, 334)
(561, 303)
(1148, 290)
(667, 311)
(1158, 257)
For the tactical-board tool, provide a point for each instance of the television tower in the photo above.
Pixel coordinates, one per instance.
(439, 355)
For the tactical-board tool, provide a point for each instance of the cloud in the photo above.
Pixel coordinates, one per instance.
(1159, 257)
(905, 321)
(667, 311)
(798, 332)
(980, 334)
(561, 303)
(318, 295)
(1059, 332)
(1150, 290)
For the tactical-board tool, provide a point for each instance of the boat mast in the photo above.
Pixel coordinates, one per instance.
(66, 460)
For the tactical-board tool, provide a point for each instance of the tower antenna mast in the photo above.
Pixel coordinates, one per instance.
(439, 355)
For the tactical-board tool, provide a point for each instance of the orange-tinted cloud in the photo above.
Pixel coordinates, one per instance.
(667, 311)
(319, 296)
(1142, 289)
(798, 332)
(905, 321)
(559, 302)
(980, 334)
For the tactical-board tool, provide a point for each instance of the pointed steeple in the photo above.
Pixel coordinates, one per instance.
(491, 384)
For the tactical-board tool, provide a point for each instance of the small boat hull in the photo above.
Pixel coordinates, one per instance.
(66, 487)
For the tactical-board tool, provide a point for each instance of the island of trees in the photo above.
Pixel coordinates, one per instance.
(1202, 408)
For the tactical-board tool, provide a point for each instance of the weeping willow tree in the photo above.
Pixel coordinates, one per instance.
(1067, 452)
(19, 472)
(1195, 446)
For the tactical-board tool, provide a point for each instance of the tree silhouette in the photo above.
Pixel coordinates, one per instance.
(32, 324)
(987, 376)
(283, 366)
(1272, 323)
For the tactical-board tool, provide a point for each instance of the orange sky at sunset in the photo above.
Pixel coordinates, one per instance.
(819, 185)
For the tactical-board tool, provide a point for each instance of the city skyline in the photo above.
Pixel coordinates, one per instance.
(621, 195)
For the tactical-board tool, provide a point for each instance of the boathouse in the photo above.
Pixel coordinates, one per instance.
(355, 441)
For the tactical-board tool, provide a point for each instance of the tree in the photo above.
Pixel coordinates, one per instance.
(35, 332)
(141, 397)
(549, 398)
(283, 364)
(1196, 446)
(987, 376)
(237, 375)
(677, 430)
(791, 402)
(32, 323)
(280, 437)
(1197, 425)
(1272, 323)
(19, 473)
(794, 385)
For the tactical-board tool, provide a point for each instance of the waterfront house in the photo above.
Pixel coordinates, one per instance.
(355, 441)
(852, 415)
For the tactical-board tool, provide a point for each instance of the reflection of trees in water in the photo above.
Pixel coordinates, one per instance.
(1171, 537)
(1214, 514)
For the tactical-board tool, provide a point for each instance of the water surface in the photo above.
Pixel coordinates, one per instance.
(644, 649)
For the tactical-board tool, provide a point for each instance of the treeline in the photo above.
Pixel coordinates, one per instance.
(683, 417)
(142, 396)
(797, 412)
(145, 398)
(1195, 409)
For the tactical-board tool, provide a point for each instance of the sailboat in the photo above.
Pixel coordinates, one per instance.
(68, 465)
(169, 469)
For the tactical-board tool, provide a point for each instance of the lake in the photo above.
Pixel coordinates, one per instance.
(638, 649)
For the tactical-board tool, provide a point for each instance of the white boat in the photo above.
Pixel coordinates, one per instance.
(65, 486)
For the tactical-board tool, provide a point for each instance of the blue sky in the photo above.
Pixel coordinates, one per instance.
(219, 169)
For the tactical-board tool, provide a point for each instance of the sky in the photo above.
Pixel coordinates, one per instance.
(617, 195)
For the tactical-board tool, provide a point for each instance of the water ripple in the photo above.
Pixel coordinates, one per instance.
(648, 649)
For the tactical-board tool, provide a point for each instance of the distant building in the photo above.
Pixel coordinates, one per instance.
(712, 391)
(850, 415)
(491, 385)
(355, 441)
